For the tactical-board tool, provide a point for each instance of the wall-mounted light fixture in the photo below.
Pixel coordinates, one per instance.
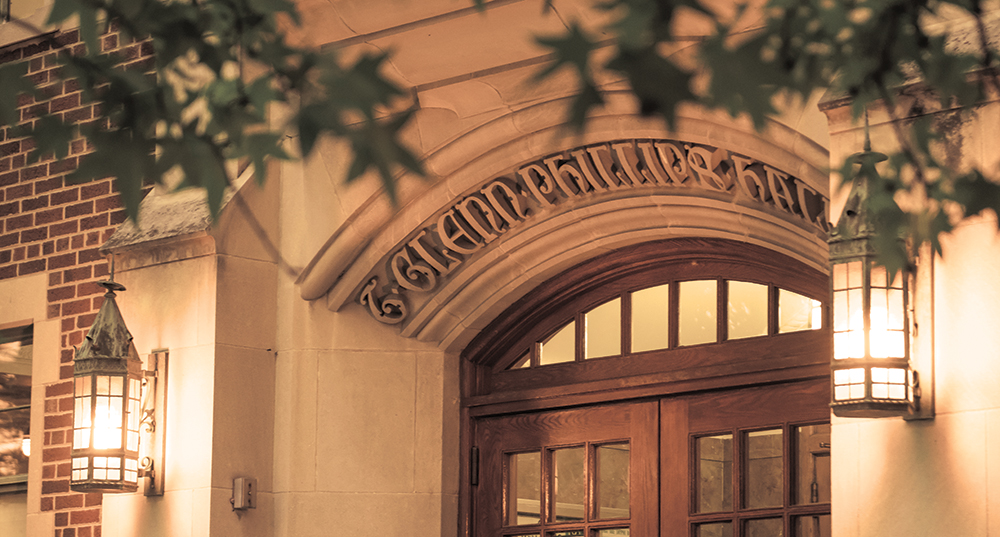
(117, 409)
(872, 376)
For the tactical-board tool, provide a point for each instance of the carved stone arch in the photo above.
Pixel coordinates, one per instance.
(467, 300)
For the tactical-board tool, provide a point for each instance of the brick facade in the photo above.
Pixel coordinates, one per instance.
(48, 224)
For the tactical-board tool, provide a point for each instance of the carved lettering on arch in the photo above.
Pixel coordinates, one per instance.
(501, 204)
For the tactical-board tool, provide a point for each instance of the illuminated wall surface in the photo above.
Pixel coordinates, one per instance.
(349, 414)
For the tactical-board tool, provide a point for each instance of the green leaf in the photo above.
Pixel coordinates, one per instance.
(203, 168)
(976, 193)
(588, 98)
(741, 81)
(62, 10)
(657, 82)
(52, 136)
(13, 82)
(376, 144)
(88, 28)
(572, 49)
(259, 146)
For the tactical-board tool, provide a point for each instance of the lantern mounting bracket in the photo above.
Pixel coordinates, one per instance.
(154, 406)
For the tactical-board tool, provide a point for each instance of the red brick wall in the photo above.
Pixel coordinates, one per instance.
(48, 224)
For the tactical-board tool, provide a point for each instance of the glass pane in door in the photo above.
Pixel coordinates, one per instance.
(524, 497)
(764, 527)
(765, 469)
(612, 481)
(812, 483)
(568, 484)
(812, 526)
(796, 312)
(714, 529)
(612, 532)
(715, 473)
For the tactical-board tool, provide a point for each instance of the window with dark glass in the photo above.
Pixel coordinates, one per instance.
(15, 407)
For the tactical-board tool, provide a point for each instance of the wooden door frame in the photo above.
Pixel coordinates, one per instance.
(775, 359)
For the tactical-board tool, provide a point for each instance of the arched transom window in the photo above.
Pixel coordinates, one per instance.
(704, 311)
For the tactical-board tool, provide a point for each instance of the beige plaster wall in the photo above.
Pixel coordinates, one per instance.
(172, 306)
(942, 476)
(366, 424)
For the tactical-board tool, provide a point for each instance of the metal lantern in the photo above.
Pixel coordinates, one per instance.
(872, 376)
(107, 385)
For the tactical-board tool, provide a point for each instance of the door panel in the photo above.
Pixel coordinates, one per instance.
(521, 451)
(732, 463)
(775, 454)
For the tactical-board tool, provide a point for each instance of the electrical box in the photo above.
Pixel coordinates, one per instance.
(244, 493)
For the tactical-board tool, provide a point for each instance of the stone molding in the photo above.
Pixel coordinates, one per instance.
(367, 239)
(523, 136)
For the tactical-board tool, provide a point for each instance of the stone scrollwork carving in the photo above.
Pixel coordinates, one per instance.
(390, 309)
(503, 203)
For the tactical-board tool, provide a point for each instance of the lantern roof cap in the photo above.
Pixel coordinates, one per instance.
(857, 221)
(108, 338)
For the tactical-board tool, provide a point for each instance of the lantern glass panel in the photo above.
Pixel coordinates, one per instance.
(79, 468)
(879, 277)
(840, 276)
(849, 384)
(134, 415)
(854, 274)
(131, 470)
(108, 414)
(888, 383)
(886, 337)
(81, 412)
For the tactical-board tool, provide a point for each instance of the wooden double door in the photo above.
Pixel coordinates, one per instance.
(749, 462)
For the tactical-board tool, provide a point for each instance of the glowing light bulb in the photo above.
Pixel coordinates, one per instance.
(107, 433)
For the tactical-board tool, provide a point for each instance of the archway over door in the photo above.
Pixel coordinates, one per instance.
(678, 387)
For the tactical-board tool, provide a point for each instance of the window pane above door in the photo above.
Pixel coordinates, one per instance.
(797, 312)
(651, 318)
(747, 309)
(697, 312)
(603, 330)
(559, 347)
